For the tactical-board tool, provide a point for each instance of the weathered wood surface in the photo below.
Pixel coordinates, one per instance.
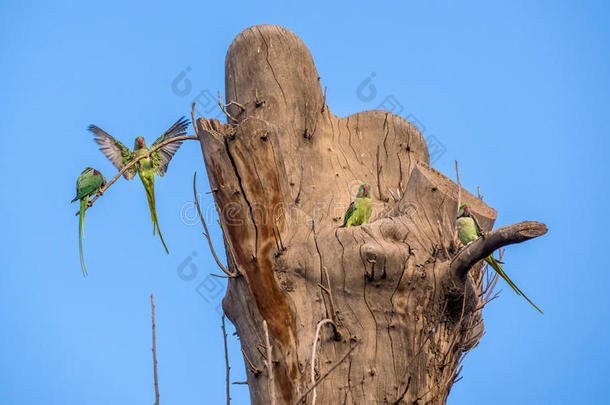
(288, 165)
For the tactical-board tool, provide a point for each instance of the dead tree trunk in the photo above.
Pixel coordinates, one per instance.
(399, 292)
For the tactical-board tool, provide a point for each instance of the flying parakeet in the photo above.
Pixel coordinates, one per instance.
(156, 163)
(88, 183)
(359, 210)
(468, 231)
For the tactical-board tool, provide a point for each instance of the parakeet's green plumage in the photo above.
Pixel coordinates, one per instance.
(359, 211)
(156, 163)
(468, 231)
(88, 183)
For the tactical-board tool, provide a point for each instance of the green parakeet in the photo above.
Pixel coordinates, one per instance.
(146, 168)
(359, 211)
(88, 183)
(468, 231)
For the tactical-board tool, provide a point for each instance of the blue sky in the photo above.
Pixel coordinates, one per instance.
(518, 92)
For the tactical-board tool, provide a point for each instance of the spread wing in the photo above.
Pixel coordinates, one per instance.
(114, 150)
(162, 156)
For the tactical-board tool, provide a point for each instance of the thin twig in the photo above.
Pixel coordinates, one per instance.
(154, 351)
(479, 192)
(457, 173)
(459, 202)
(136, 160)
(230, 103)
(330, 370)
(228, 368)
(313, 356)
(193, 118)
(222, 107)
(269, 363)
(495, 279)
(255, 370)
(491, 282)
(206, 233)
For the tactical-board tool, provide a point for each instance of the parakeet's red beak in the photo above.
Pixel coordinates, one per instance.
(96, 173)
(140, 141)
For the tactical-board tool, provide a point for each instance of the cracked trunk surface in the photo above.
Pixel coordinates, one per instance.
(288, 166)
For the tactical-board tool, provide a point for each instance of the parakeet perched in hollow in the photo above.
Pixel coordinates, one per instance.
(359, 211)
(156, 163)
(468, 231)
(88, 183)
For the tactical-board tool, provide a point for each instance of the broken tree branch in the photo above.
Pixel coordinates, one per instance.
(154, 351)
(483, 247)
(206, 233)
(193, 118)
(134, 162)
(224, 337)
(223, 107)
(459, 202)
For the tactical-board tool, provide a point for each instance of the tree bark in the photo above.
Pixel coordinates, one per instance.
(283, 171)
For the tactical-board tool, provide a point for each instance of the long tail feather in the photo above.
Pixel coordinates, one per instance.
(81, 233)
(151, 204)
(493, 263)
(150, 194)
(161, 237)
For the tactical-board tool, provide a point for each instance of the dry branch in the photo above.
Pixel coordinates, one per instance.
(224, 106)
(457, 175)
(483, 247)
(154, 351)
(227, 367)
(206, 233)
